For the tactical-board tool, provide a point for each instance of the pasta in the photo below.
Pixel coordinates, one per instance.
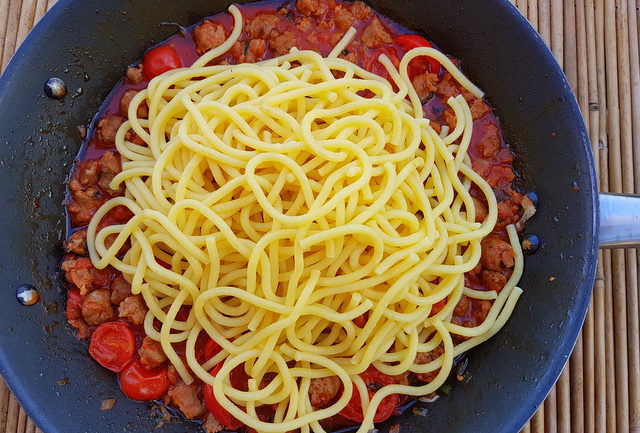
(276, 204)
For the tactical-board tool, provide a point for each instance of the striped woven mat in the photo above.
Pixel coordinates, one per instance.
(596, 43)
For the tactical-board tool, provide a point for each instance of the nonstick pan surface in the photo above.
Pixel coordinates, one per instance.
(88, 43)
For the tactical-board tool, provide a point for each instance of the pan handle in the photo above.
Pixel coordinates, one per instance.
(619, 220)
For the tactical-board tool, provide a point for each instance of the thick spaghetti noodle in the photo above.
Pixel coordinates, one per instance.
(277, 204)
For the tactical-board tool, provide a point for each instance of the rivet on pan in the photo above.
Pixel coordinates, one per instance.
(530, 244)
(55, 88)
(27, 294)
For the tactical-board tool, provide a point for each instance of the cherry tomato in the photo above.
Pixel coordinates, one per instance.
(122, 214)
(239, 379)
(437, 307)
(113, 345)
(211, 348)
(138, 383)
(160, 60)
(409, 42)
(74, 304)
(374, 380)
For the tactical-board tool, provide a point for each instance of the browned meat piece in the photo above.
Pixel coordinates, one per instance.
(281, 44)
(496, 254)
(343, 18)
(447, 87)
(209, 35)
(185, 397)
(86, 174)
(425, 358)
(97, 307)
(323, 390)
(436, 126)
(85, 203)
(479, 109)
(249, 51)
(151, 353)
(490, 144)
(134, 75)
(304, 24)
(212, 425)
(481, 210)
(361, 11)
(376, 35)
(425, 85)
(173, 375)
(120, 289)
(261, 25)
(494, 280)
(449, 116)
(84, 330)
(133, 309)
(109, 166)
(125, 101)
(107, 129)
(79, 271)
(463, 307)
(77, 243)
(349, 56)
(314, 8)
(509, 211)
(134, 138)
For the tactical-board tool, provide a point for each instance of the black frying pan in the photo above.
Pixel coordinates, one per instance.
(89, 42)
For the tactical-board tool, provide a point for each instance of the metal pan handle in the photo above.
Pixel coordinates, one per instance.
(619, 220)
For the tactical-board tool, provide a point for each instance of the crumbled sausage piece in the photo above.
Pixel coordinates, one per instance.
(77, 243)
(143, 109)
(496, 254)
(449, 117)
(84, 330)
(109, 166)
(133, 309)
(212, 425)
(304, 24)
(96, 307)
(185, 397)
(489, 145)
(425, 85)
(107, 128)
(481, 210)
(80, 272)
(494, 280)
(250, 51)
(479, 109)
(151, 353)
(361, 11)
(343, 18)
(425, 358)
(134, 75)
(209, 35)
(261, 25)
(376, 35)
(281, 44)
(323, 390)
(312, 7)
(120, 289)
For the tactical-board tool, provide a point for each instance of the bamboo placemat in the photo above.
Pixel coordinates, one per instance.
(596, 43)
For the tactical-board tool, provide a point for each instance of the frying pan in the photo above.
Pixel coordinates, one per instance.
(89, 42)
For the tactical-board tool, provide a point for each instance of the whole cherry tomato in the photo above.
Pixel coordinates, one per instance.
(113, 345)
(239, 379)
(138, 383)
(374, 380)
(160, 60)
(408, 42)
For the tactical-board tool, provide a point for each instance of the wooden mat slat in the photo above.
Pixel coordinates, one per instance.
(596, 42)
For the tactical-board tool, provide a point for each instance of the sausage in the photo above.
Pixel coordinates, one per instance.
(481, 210)
(376, 35)
(212, 425)
(134, 75)
(85, 203)
(120, 289)
(425, 85)
(76, 243)
(143, 109)
(209, 35)
(494, 280)
(281, 44)
(110, 165)
(496, 254)
(96, 308)
(361, 11)
(107, 128)
(490, 144)
(79, 271)
(343, 18)
(425, 358)
(186, 398)
(323, 390)
(133, 309)
(151, 353)
(314, 8)
(479, 109)
(261, 25)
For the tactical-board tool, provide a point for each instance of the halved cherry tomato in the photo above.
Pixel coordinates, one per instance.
(113, 345)
(160, 60)
(211, 348)
(374, 380)
(239, 379)
(437, 307)
(409, 42)
(74, 304)
(138, 383)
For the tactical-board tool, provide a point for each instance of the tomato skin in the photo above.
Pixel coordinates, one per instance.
(238, 379)
(409, 42)
(211, 348)
(437, 307)
(113, 345)
(74, 304)
(373, 379)
(160, 60)
(138, 383)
